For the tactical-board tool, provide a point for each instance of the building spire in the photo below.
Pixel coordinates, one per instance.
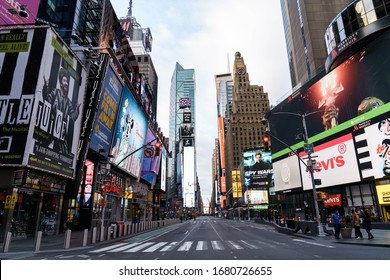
(130, 13)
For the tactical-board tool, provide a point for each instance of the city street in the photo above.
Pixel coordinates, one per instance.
(210, 238)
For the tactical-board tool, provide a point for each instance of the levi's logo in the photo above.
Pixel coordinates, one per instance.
(331, 163)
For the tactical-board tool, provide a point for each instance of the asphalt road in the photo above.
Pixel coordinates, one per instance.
(210, 238)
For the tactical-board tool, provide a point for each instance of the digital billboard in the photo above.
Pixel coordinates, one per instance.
(188, 183)
(106, 112)
(257, 168)
(347, 96)
(151, 162)
(130, 135)
(336, 162)
(256, 196)
(13, 12)
(287, 174)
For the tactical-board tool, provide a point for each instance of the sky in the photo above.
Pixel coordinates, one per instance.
(204, 35)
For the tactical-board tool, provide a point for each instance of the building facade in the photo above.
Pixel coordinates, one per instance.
(304, 22)
(345, 111)
(182, 168)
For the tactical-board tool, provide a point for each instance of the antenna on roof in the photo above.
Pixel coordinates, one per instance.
(130, 12)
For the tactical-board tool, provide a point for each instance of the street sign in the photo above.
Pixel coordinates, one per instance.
(308, 148)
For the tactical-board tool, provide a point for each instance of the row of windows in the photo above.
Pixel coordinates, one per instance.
(355, 16)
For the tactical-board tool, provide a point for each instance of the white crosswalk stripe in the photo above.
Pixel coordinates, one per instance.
(215, 245)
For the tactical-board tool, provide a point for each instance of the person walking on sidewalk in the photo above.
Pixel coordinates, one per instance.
(336, 224)
(356, 224)
(367, 224)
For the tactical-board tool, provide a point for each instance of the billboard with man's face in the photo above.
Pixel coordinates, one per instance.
(41, 100)
(257, 169)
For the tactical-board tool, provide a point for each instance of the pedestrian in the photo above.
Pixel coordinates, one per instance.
(336, 224)
(356, 224)
(367, 224)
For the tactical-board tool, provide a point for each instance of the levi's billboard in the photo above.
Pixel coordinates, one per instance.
(336, 162)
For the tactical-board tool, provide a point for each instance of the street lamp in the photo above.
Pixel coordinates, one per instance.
(310, 166)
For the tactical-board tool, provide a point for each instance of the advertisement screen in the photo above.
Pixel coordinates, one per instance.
(258, 169)
(336, 162)
(256, 197)
(188, 184)
(151, 163)
(85, 200)
(343, 98)
(130, 135)
(12, 12)
(107, 112)
(372, 147)
(287, 174)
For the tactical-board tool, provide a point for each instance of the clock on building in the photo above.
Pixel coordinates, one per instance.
(240, 71)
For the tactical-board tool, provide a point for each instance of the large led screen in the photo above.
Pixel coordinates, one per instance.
(106, 113)
(287, 175)
(336, 162)
(257, 169)
(338, 101)
(130, 135)
(188, 184)
(256, 197)
(12, 12)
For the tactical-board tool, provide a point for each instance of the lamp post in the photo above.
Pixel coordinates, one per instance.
(309, 165)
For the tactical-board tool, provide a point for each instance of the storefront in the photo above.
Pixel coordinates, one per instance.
(383, 192)
(33, 203)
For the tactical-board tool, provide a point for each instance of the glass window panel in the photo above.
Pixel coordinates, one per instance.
(371, 17)
(377, 3)
(340, 25)
(368, 5)
(380, 12)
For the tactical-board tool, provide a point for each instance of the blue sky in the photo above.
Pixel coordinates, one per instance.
(204, 35)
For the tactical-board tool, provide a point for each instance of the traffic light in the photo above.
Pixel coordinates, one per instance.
(266, 143)
(157, 148)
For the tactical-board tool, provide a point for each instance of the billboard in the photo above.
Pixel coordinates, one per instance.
(130, 135)
(163, 172)
(106, 112)
(257, 168)
(42, 95)
(188, 183)
(221, 136)
(256, 196)
(13, 12)
(287, 174)
(236, 184)
(338, 101)
(336, 162)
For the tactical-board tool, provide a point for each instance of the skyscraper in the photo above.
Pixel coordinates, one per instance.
(182, 166)
(245, 130)
(305, 23)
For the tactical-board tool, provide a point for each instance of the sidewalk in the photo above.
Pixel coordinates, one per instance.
(56, 243)
(381, 236)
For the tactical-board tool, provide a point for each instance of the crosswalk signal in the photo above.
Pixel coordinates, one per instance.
(157, 148)
(266, 143)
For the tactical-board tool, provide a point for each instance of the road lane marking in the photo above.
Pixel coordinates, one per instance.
(107, 248)
(251, 246)
(128, 246)
(169, 247)
(140, 247)
(201, 246)
(186, 246)
(217, 245)
(155, 247)
(313, 243)
(234, 245)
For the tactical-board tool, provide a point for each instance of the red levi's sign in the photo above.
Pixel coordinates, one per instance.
(333, 200)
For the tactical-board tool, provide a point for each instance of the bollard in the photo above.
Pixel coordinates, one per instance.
(109, 228)
(120, 230)
(85, 237)
(93, 241)
(102, 233)
(38, 239)
(7, 242)
(68, 233)
(115, 228)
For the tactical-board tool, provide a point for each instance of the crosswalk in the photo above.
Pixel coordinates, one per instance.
(190, 245)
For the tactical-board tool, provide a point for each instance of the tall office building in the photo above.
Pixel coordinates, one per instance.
(305, 22)
(182, 166)
(250, 104)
